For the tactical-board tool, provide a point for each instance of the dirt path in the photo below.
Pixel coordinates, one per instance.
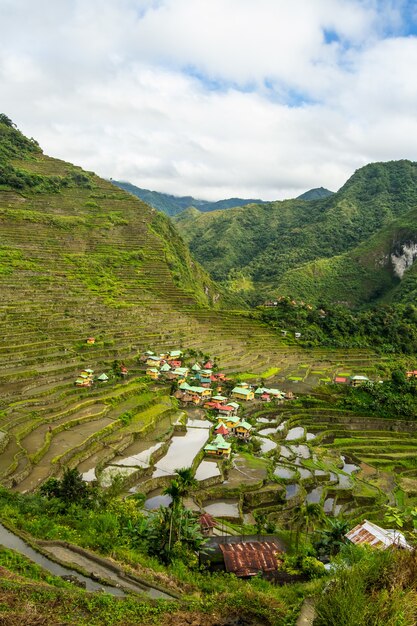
(307, 615)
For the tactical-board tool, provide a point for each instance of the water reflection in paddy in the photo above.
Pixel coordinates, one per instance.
(344, 482)
(283, 472)
(198, 424)
(328, 505)
(267, 445)
(349, 468)
(295, 433)
(181, 452)
(282, 425)
(89, 476)
(291, 491)
(157, 500)
(310, 436)
(207, 469)
(314, 495)
(267, 431)
(304, 473)
(284, 452)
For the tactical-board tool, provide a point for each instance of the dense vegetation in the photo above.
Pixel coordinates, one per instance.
(253, 248)
(391, 329)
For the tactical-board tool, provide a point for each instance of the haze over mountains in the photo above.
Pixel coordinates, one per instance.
(173, 205)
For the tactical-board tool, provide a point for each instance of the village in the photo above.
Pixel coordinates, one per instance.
(231, 407)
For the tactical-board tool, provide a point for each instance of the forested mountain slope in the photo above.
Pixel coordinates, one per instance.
(255, 246)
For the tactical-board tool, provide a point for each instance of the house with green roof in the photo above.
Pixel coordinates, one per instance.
(181, 372)
(242, 393)
(153, 372)
(243, 430)
(218, 447)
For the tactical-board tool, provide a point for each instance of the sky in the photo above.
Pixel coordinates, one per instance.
(214, 98)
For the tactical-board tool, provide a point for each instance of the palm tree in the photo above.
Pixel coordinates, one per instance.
(174, 491)
(178, 489)
(186, 481)
(305, 517)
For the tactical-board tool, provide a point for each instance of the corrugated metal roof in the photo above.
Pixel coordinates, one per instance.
(373, 535)
(249, 558)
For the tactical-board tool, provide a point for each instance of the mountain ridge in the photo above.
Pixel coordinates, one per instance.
(261, 243)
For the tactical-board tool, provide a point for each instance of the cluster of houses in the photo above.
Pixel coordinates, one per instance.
(200, 385)
(86, 377)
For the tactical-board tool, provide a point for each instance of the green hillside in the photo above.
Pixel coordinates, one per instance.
(173, 205)
(79, 258)
(258, 245)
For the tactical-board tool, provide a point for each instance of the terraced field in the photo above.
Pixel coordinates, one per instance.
(352, 465)
(91, 260)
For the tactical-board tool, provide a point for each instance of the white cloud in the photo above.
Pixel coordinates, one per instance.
(212, 98)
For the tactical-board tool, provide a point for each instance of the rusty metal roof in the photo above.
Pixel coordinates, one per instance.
(249, 558)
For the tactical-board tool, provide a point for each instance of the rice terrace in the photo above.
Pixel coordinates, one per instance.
(127, 369)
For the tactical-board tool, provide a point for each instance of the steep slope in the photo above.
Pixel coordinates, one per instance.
(263, 242)
(80, 258)
(380, 270)
(173, 205)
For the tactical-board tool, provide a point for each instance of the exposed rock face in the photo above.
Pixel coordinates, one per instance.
(404, 259)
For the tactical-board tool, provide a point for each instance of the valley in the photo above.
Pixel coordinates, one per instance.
(92, 280)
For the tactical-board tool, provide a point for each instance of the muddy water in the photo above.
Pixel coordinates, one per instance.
(141, 459)
(181, 452)
(301, 451)
(9, 540)
(65, 440)
(222, 508)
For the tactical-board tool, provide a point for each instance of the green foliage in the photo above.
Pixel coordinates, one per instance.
(378, 588)
(302, 564)
(71, 489)
(387, 328)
